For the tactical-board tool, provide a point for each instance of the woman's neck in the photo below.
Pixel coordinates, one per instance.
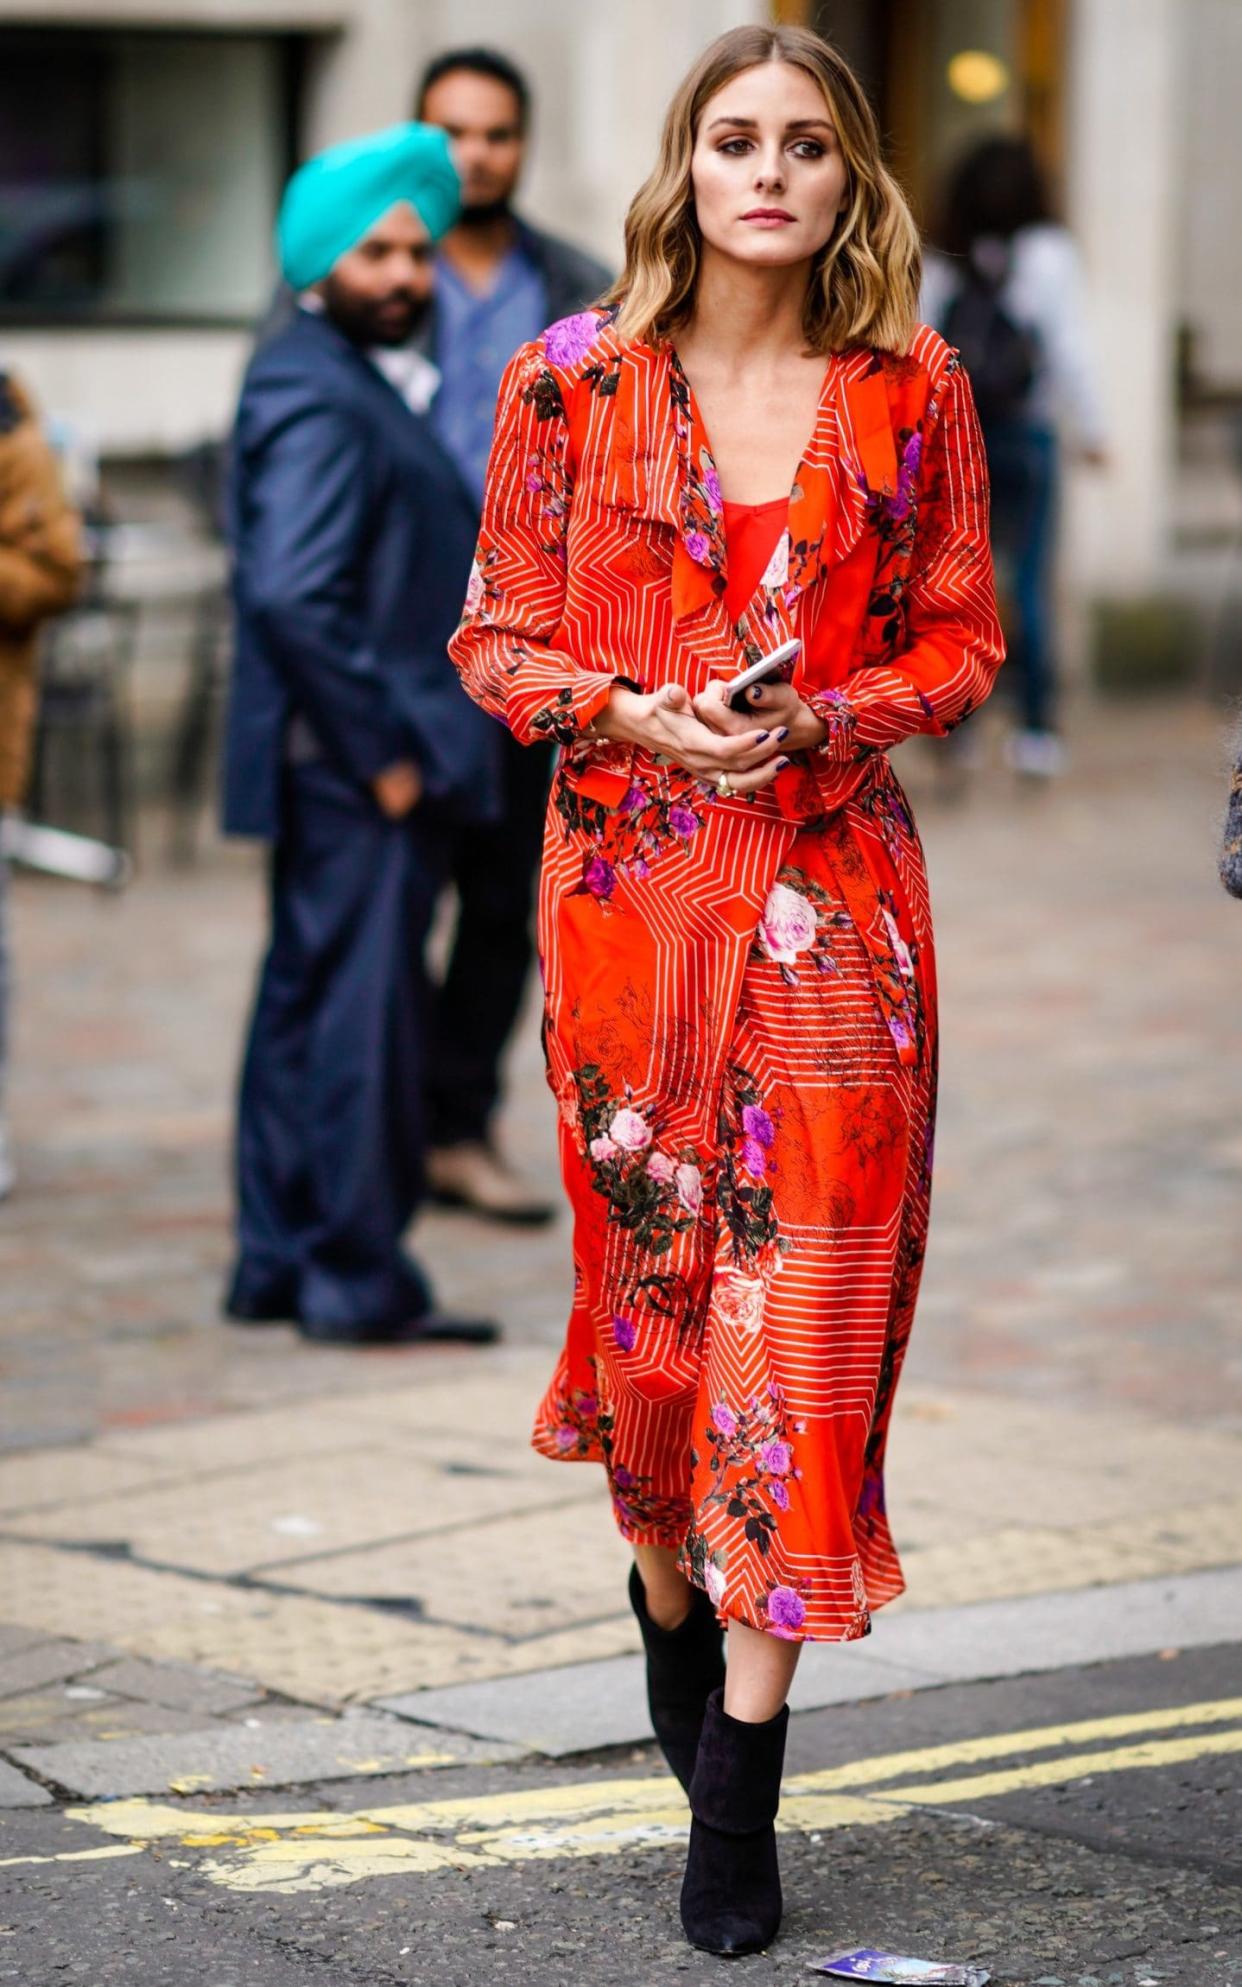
(745, 317)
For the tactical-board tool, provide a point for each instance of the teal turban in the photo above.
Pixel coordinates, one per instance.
(337, 197)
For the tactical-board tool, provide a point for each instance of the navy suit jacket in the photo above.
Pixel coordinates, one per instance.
(352, 537)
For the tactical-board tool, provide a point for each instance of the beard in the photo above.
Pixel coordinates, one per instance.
(366, 322)
(483, 213)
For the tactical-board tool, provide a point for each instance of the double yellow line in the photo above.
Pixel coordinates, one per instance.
(291, 1851)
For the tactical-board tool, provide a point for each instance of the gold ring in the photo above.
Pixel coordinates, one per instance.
(723, 788)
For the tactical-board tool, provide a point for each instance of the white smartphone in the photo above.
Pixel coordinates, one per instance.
(778, 667)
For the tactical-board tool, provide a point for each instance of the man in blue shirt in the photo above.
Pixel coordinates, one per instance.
(500, 282)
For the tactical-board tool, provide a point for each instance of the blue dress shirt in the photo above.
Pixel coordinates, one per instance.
(476, 336)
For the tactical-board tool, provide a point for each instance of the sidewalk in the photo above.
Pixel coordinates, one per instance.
(208, 1532)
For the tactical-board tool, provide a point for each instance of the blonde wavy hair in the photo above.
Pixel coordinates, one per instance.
(864, 283)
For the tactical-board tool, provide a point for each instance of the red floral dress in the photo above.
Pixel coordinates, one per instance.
(740, 1008)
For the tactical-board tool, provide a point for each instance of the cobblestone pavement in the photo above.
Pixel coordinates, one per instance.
(208, 1533)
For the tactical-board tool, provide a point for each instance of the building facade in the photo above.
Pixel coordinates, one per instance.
(143, 144)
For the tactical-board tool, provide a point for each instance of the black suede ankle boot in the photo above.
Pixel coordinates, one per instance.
(731, 1895)
(684, 1665)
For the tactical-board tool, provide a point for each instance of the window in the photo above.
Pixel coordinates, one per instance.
(139, 174)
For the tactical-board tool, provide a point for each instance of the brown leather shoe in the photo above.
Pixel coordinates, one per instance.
(476, 1178)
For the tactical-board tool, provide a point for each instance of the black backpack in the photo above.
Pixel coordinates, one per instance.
(999, 356)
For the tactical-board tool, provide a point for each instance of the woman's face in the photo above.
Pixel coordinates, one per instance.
(767, 171)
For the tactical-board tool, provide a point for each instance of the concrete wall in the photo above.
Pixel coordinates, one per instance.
(602, 79)
(1124, 204)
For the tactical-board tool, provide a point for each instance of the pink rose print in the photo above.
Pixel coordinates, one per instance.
(474, 590)
(689, 1188)
(716, 1583)
(787, 926)
(565, 341)
(739, 1302)
(602, 1149)
(630, 1132)
(776, 572)
(661, 1169)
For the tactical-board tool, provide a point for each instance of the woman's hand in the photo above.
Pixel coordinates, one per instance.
(791, 723)
(665, 722)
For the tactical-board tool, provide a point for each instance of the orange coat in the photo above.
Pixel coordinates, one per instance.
(739, 993)
(40, 567)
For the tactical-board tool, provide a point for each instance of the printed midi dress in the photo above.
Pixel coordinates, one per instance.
(739, 993)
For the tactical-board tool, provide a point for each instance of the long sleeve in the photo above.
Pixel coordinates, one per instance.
(40, 535)
(954, 644)
(300, 530)
(505, 648)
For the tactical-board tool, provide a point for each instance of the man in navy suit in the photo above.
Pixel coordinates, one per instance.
(351, 746)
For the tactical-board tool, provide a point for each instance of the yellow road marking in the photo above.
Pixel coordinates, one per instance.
(296, 1850)
(76, 1855)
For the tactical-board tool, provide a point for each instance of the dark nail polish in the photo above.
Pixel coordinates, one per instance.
(782, 763)
(782, 734)
(762, 735)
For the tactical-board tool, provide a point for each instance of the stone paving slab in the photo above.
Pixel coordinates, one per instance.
(587, 1706)
(176, 1685)
(223, 1757)
(47, 1662)
(17, 1791)
(590, 1705)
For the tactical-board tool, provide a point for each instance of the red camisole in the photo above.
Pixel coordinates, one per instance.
(752, 532)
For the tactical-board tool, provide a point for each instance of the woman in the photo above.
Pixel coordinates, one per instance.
(740, 1004)
(1008, 293)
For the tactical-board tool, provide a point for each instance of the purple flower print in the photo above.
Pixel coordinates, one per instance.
(623, 1479)
(683, 822)
(786, 1610)
(758, 1125)
(898, 504)
(699, 546)
(565, 341)
(724, 1419)
(711, 484)
(566, 1438)
(599, 877)
(588, 1405)
(776, 1457)
(625, 1336)
(778, 1491)
(633, 800)
(753, 1158)
(899, 1031)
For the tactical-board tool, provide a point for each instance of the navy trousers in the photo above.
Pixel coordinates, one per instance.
(331, 1121)
(494, 866)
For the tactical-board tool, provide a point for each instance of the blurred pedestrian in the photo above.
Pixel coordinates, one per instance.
(754, 445)
(499, 282)
(40, 570)
(1231, 838)
(1007, 292)
(350, 745)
